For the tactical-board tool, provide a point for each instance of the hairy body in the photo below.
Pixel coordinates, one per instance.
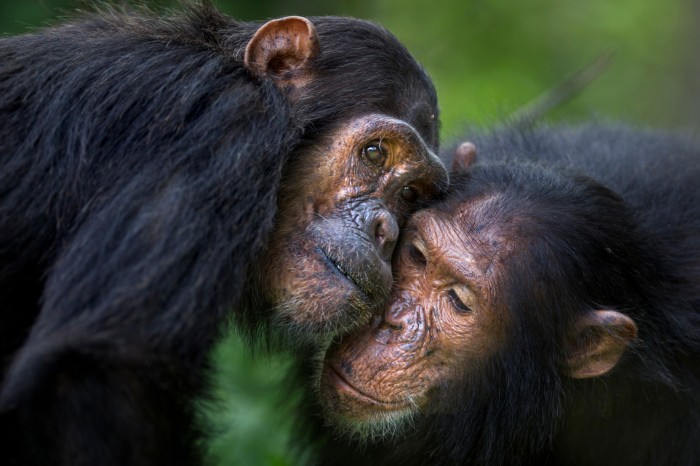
(158, 173)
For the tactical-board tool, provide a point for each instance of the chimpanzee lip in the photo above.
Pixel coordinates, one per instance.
(344, 384)
(338, 269)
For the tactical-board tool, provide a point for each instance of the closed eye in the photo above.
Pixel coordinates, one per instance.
(457, 302)
(417, 256)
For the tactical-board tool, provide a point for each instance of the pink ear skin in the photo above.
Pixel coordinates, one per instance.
(600, 338)
(283, 50)
(465, 157)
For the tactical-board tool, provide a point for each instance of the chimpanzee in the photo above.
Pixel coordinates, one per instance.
(144, 162)
(546, 312)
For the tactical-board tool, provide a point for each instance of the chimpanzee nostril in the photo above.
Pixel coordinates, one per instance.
(385, 231)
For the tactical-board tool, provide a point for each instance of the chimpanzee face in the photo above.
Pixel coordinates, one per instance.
(439, 319)
(342, 203)
(450, 317)
(351, 183)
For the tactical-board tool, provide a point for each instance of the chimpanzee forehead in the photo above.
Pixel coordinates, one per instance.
(457, 245)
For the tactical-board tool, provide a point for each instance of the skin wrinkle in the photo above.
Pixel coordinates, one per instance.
(593, 345)
(335, 202)
(408, 354)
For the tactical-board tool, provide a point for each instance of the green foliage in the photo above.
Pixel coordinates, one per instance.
(254, 415)
(488, 58)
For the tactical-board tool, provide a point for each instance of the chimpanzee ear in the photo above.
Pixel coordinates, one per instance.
(283, 49)
(597, 343)
(464, 157)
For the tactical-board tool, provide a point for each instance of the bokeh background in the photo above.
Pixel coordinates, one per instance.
(489, 59)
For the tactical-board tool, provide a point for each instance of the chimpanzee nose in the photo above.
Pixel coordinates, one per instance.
(404, 321)
(384, 231)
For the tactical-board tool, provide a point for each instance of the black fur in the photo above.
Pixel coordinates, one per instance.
(608, 218)
(140, 167)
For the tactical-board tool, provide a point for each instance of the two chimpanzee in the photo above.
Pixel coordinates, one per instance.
(158, 173)
(546, 312)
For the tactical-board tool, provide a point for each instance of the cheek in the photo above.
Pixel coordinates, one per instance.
(286, 251)
(308, 299)
(290, 246)
(323, 176)
(467, 343)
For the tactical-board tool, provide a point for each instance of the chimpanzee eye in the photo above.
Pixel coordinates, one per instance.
(457, 302)
(417, 255)
(409, 194)
(375, 153)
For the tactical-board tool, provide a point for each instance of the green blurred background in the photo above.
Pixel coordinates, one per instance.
(488, 58)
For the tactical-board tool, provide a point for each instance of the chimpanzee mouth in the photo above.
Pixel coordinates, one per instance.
(338, 269)
(342, 384)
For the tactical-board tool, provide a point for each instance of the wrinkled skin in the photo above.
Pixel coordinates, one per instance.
(438, 318)
(545, 311)
(329, 265)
